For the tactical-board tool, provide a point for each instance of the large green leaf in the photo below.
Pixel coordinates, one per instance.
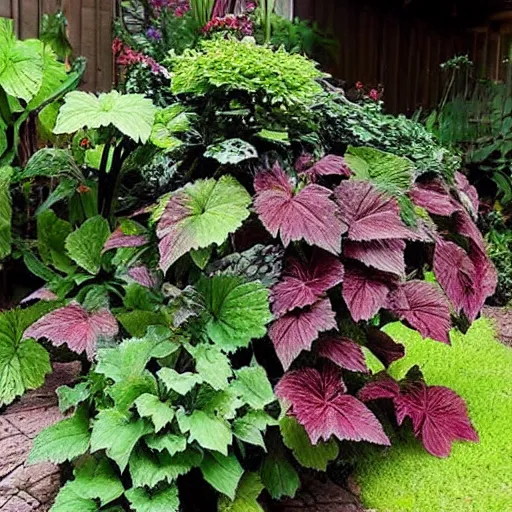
(246, 499)
(172, 443)
(222, 472)
(118, 433)
(308, 455)
(21, 65)
(86, 243)
(168, 122)
(239, 311)
(51, 162)
(249, 428)
(71, 397)
(5, 210)
(150, 406)
(164, 500)
(278, 476)
(212, 365)
(51, 237)
(63, 441)
(68, 500)
(181, 383)
(253, 387)
(132, 114)
(199, 215)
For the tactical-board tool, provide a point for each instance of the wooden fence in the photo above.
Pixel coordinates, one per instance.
(90, 31)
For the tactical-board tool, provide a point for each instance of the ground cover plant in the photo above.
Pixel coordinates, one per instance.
(223, 271)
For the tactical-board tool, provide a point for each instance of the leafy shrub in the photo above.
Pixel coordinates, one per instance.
(477, 476)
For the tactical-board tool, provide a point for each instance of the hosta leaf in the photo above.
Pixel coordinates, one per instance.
(320, 403)
(131, 114)
(117, 433)
(150, 406)
(296, 331)
(308, 215)
(279, 476)
(86, 243)
(232, 151)
(246, 499)
(5, 211)
(209, 431)
(222, 472)
(253, 387)
(311, 456)
(343, 352)
(71, 397)
(199, 215)
(239, 311)
(212, 365)
(173, 443)
(164, 500)
(63, 441)
(182, 383)
(76, 327)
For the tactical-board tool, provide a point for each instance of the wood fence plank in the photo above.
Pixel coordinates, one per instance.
(29, 19)
(6, 9)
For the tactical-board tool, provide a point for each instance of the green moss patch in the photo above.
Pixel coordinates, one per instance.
(476, 477)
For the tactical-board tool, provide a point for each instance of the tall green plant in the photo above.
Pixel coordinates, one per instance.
(202, 11)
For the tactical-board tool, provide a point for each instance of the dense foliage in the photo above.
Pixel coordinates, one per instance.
(200, 259)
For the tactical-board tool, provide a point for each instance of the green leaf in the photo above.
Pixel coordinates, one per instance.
(5, 211)
(253, 387)
(132, 114)
(231, 151)
(164, 500)
(246, 499)
(275, 136)
(51, 237)
(64, 190)
(222, 472)
(212, 365)
(239, 311)
(182, 383)
(126, 392)
(201, 257)
(209, 431)
(137, 322)
(249, 428)
(51, 163)
(311, 456)
(21, 70)
(86, 243)
(23, 363)
(278, 476)
(199, 215)
(117, 433)
(150, 406)
(63, 441)
(173, 443)
(223, 403)
(94, 156)
(168, 122)
(390, 173)
(71, 397)
(38, 268)
(68, 500)
(149, 469)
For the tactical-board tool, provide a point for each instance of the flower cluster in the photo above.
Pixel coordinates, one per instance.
(373, 94)
(180, 7)
(240, 24)
(126, 56)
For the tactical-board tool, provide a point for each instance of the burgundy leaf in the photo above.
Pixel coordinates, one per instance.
(382, 387)
(76, 327)
(297, 330)
(385, 255)
(439, 417)
(41, 294)
(304, 162)
(384, 347)
(468, 193)
(369, 214)
(466, 226)
(328, 165)
(319, 403)
(308, 215)
(435, 198)
(305, 283)
(118, 239)
(143, 276)
(365, 292)
(424, 307)
(344, 352)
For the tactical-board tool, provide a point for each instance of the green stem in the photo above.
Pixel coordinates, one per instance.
(5, 111)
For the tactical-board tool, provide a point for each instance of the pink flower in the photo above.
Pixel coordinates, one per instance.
(374, 95)
(359, 86)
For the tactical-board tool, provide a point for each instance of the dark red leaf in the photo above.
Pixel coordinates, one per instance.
(344, 352)
(304, 162)
(369, 214)
(328, 165)
(424, 307)
(435, 198)
(118, 239)
(142, 275)
(385, 255)
(384, 347)
(319, 403)
(297, 330)
(308, 215)
(304, 283)
(382, 387)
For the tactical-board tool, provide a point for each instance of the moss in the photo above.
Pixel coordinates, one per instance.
(476, 477)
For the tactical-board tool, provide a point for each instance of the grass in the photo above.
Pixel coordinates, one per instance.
(476, 477)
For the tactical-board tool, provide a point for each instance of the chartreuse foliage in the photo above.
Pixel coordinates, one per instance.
(476, 477)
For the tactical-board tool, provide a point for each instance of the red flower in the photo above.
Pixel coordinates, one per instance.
(374, 95)
(359, 86)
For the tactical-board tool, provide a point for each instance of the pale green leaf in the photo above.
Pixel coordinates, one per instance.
(117, 433)
(164, 500)
(308, 455)
(86, 243)
(71, 397)
(51, 162)
(51, 237)
(169, 122)
(127, 391)
(279, 477)
(212, 365)
(223, 403)
(182, 383)
(150, 406)
(275, 136)
(222, 472)
(246, 499)
(253, 387)
(249, 428)
(173, 443)
(131, 114)
(68, 500)
(5, 210)
(232, 151)
(63, 441)
(209, 431)
(239, 311)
